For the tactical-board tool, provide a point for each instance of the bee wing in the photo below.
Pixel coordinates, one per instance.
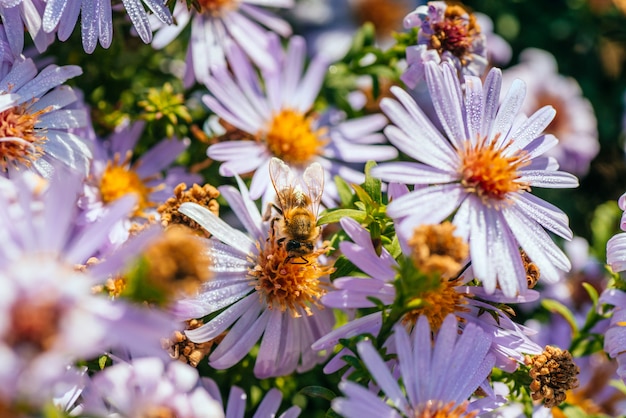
(313, 178)
(283, 181)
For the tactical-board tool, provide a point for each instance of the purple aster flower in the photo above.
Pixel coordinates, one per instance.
(268, 407)
(616, 246)
(261, 294)
(575, 123)
(276, 115)
(437, 379)
(147, 387)
(216, 24)
(112, 176)
(51, 316)
(480, 170)
(20, 15)
(616, 332)
(96, 19)
(39, 114)
(447, 33)
(615, 335)
(510, 340)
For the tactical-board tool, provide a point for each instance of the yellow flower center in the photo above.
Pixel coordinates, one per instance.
(456, 33)
(291, 138)
(437, 303)
(438, 409)
(216, 8)
(284, 284)
(119, 179)
(20, 141)
(488, 173)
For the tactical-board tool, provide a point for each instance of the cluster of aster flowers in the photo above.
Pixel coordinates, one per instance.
(296, 230)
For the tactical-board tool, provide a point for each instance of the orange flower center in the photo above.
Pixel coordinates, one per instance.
(217, 8)
(437, 303)
(20, 141)
(285, 284)
(119, 179)
(487, 172)
(291, 138)
(438, 409)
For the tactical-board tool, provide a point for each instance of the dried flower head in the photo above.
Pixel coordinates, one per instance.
(205, 196)
(532, 271)
(181, 348)
(554, 373)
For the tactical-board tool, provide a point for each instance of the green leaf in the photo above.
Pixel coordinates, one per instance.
(318, 392)
(343, 267)
(592, 292)
(593, 343)
(344, 190)
(372, 186)
(604, 224)
(557, 307)
(333, 216)
(332, 414)
(363, 195)
(379, 70)
(394, 247)
(352, 361)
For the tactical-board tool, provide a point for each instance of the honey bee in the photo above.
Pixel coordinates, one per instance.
(297, 208)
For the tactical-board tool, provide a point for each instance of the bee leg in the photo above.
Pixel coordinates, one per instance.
(273, 229)
(302, 258)
(268, 211)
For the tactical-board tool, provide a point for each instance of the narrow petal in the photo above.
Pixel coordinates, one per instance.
(435, 203)
(442, 86)
(217, 227)
(221, 322)
(552, 179)
(239, 341)
(507, 112)
(413, 173)
(381, 374)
